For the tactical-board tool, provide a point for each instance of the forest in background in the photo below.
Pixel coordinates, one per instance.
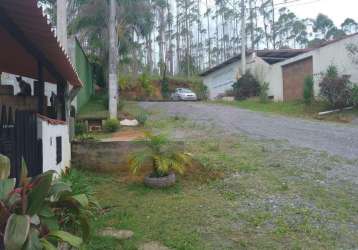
(185, 37)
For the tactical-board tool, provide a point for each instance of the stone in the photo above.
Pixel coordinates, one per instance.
(130, 123)
(228, 98)
(153, 245)
(115, 233)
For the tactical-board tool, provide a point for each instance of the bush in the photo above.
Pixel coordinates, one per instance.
(336, 89)
(120, 105)
(80, 128)
(247, 86)
(264, 88)
(111, 125)
(308, 94)
(41, 212)
(142, 118)
(165, 88)
(355, 95)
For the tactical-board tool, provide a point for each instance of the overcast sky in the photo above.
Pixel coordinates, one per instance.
(337, 10)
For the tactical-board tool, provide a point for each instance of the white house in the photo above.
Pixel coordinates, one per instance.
(285, 69)
(31, 126)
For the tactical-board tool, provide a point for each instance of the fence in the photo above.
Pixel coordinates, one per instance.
(18, 140)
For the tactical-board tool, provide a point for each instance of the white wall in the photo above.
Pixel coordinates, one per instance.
(48, 133)
(223, 79)
(335, 53)
(331, 54)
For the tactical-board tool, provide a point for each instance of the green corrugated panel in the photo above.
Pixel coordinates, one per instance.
(85, 73)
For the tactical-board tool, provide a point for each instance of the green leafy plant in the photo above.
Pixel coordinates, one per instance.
(247, 86)
(264, 88)
(80, 128)
(40, 213)
(355, 95)
(308, 93)
(142, 118)
(146, 84)
(111, 125)
(161, 155)
(336, 89)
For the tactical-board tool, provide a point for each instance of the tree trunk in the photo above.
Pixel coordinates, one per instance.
(113, 61)
(208, 32)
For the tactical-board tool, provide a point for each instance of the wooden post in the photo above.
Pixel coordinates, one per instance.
(61, 94)
(40, 90)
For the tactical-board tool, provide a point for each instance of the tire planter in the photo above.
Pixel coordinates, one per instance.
(160, 182)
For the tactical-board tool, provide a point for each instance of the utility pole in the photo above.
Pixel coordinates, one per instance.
(113, 59)
(61, 29)
(243, 38)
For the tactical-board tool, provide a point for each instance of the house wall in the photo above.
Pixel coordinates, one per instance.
(222, 80)
(48, 133)
(332, 54)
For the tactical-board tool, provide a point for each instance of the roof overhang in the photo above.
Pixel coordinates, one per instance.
(27, 40)
(269, 56)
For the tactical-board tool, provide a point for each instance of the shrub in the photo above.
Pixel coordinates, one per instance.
(355, 95)
(120, 105)
(111, 125)
(162, 154)
(80, 128)
(264, 88)
(336, 89)
(165, 88)
(142, 118)
(308, 94)
(201, 90)
(146, 84)
(247, 86)
(40, 213)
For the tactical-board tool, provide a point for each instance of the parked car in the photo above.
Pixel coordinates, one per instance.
(183, 94)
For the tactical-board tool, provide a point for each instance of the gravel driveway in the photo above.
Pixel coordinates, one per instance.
(336, 139)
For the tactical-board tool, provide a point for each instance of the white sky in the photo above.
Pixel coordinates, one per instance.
(337, 10)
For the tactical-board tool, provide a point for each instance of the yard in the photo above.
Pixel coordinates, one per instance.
(295, 109)
(242, 193)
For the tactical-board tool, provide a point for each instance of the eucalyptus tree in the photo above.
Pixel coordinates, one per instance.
(349, 26)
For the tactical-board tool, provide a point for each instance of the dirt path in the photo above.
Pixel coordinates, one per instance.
(335, 139)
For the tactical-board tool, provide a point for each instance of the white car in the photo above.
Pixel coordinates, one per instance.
(183, 94)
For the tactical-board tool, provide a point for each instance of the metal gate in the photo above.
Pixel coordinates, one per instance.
(18, 140)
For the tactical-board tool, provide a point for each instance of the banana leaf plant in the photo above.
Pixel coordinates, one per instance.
(41, 213)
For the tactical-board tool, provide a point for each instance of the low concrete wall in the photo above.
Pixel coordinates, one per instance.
(103, 156)
(106, 156)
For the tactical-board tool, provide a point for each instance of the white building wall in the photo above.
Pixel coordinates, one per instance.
(332, 54)
(335, 53)
(222, 80)
(49, 132)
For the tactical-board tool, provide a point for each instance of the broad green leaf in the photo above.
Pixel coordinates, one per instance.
(51, 223)
(67, 237)
(59, 188)
(38, 194)
(13, 198)
(24, 173)
(46, 212)
(81, 199)
(6, 186)
(47, 245)
(85, 227)
(16, 231)
(5, 167)
(33, 241)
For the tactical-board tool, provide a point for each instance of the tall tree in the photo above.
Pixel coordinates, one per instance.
(113, 61)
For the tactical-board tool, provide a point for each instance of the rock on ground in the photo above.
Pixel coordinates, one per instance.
(115, 233)
(153, 245)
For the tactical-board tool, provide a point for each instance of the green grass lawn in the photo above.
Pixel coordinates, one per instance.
(294, 109)
(244, 194)
(95, 108)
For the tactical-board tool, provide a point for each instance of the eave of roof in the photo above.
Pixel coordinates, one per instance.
(270, 56)
(26, 36)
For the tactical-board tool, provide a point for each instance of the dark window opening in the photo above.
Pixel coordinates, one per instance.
(58, 149)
